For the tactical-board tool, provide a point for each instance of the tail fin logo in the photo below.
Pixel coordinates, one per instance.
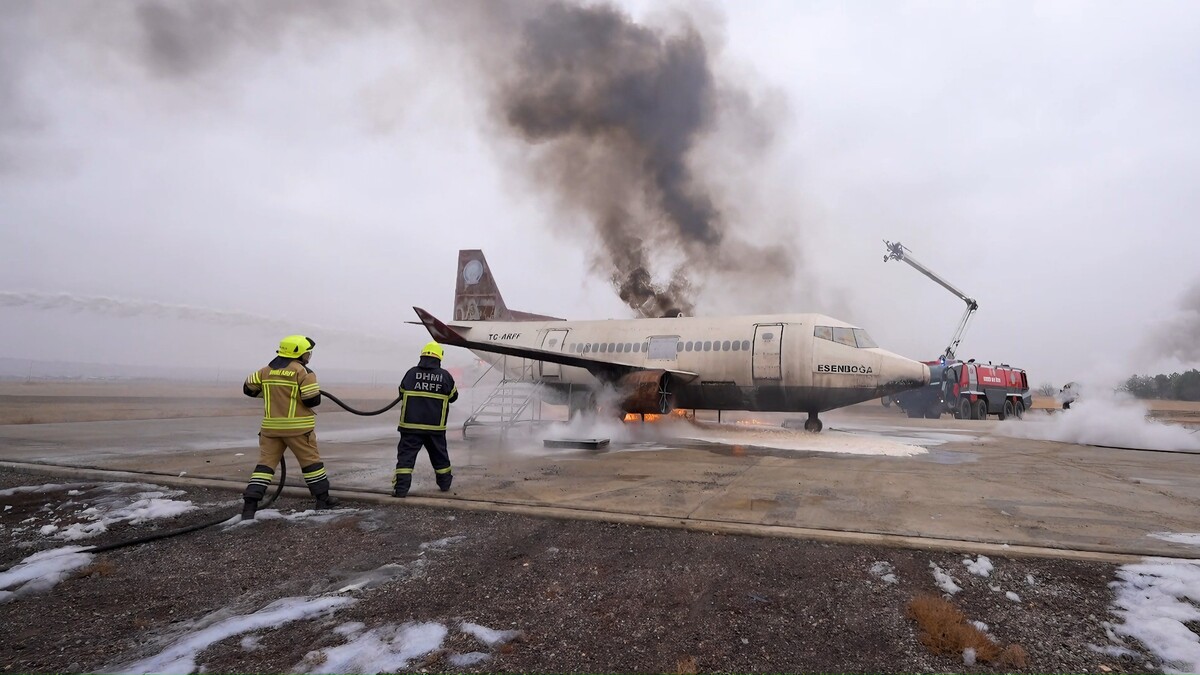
(472, 272)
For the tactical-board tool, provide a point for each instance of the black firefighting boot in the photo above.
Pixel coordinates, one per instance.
(401, 481)
(444, 480)
(327, 501)
(249, 506)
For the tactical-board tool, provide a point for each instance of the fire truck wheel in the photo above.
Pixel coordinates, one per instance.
(964, 409)
(1019, 409)
(980, 412)
(933, 413)
(1009, 410)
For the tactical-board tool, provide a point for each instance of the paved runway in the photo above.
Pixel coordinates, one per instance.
(870, 471)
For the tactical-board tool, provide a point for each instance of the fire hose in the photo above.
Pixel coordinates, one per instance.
(360, 412)
(209, 523)
(174, 533)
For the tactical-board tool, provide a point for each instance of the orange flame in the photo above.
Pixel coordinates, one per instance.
(651, 417)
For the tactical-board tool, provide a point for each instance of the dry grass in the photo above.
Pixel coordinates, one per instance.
(100, 568)
(945, 630)
(687, 666)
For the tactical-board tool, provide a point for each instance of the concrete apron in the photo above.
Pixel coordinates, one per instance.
(969, 494)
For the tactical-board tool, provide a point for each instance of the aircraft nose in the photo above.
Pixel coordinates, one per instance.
(897, 373)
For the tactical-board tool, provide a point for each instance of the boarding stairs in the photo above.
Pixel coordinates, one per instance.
(515, 402)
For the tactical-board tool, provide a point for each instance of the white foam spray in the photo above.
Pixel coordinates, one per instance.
(1102, 417)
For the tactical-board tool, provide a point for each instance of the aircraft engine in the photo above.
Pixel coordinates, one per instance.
(646, 392)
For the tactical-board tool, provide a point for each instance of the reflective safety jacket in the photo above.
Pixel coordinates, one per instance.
(289, 391)
(426, 393)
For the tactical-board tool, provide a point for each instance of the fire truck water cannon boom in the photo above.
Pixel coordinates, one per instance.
(896, 251)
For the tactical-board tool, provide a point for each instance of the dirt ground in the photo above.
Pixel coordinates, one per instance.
(584, 596)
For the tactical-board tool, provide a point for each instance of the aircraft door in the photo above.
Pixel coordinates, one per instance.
(553, 341)
(972, 378)
(768, 348)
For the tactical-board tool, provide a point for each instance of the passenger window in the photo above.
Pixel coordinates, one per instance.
(844, 336)
(620, 347)
(646, 346)
(688, 347)
(628, 347)
(595, 346)
(745, 345)
(737, 345)
(678, 347)
(612, 347)
(707, 346)
(637, 347)
(725, 346)
(823, 332)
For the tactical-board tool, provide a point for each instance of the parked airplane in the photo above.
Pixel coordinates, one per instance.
(779, 363)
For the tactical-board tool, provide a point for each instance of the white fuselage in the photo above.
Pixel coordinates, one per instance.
(786, 362)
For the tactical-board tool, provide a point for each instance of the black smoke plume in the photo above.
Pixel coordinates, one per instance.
(610, 112)
(613, 112)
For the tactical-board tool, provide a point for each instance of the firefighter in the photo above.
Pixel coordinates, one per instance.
(289, 391)
(426, 393)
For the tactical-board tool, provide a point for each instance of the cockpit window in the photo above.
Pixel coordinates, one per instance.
(864, 341)
(851, 337)
(844, 336)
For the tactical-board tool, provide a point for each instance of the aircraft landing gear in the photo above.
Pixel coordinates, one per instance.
(812, 424)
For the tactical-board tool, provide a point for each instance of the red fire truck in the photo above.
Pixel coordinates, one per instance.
(975, 390)
(969, 391)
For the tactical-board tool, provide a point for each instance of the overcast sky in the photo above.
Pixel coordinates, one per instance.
(1041, 156)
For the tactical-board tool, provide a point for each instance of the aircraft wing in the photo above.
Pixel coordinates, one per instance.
(605, 370)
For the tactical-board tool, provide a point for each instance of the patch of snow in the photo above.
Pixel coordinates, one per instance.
(1156, 598)
(314, 515)
(489, 636)
(48, 530)
(1187, 538)
(1111, 650)
(106, 513)
(1012, 596)
(983, 627)
(180, 657)
(994, 589)
(41, 571)
(468, 659)
(1030, 580)
(74, 492)
(7, 507)
(980, 567)
(884, 571)
(350, 628)
(442, 544)
(48, 487)
(944, 580)
(969, 656)
(250, 643)
(385, 649)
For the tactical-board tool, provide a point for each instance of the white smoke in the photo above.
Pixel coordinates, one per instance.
(1104, 417)
(124, 307)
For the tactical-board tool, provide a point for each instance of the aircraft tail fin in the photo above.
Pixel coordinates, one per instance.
(477, 296)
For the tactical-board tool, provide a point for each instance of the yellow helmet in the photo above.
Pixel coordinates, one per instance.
(295, 346)
(433, 349)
